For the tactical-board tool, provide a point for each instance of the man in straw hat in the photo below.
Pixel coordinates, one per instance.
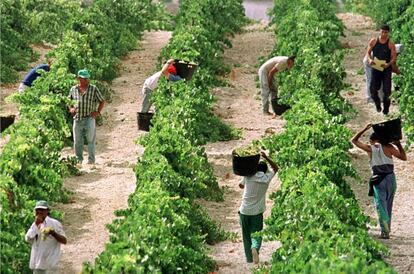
(45, 235)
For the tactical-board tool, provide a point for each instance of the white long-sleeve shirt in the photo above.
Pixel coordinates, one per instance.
(280, 62)
(254, 195)
(152, 81)
(45, 253)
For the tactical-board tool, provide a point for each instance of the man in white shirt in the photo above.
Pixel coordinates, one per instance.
(45, 235)
(168, 71)
(266, 74)
(253, 205)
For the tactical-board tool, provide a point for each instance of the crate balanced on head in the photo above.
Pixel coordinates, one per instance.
(388, 131)
(384, 145)
(245, 165)
(255, 182)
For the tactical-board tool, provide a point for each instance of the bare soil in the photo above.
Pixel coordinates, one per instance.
(240, 106)
(101, 190)
(358, 33)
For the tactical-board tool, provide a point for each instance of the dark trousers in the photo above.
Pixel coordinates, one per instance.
(378, 78)
(249, 225)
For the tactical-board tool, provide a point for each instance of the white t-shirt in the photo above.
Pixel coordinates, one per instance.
(45, 253)
(280, 62)
(254, 195)
(152, 81)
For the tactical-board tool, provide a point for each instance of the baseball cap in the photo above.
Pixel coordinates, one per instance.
(42, 205)
(84, 73)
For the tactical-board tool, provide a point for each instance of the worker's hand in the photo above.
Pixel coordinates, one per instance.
(397, 143)
(386, 65)
(371, 62)
(72, 111)
(52, 232)
(38, 220)
(95, 114)
(170, 61)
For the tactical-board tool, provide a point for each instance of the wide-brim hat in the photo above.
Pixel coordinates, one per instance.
(41, 205)
(84, 73)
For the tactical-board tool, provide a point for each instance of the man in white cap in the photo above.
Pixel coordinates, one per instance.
(45, 235)
(85, 110)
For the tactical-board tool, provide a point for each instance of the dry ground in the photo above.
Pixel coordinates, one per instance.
(98, 192)
(359, 30)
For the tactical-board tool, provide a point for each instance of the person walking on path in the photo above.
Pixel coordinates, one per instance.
(32, 75)
(266, 74)
(381, 54)
(368, 72)
(45, 235)
(168, 71)
(253, 205)
(383, 179)
(86, 97)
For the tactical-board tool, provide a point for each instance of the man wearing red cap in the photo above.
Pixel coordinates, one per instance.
(168, 71)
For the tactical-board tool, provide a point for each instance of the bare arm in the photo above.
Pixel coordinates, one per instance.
(270, 161)
(355, 140)
(399, 152)
(71, 108)
(371, 45)
(60, 238)
(393, 54)
(101, 105)
(164, 70)
(58, 233)
(270, 75)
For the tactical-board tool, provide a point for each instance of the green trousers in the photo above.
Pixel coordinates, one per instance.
(249, 225)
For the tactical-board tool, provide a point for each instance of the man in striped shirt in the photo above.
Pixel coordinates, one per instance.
(86, 97)
(253, 205)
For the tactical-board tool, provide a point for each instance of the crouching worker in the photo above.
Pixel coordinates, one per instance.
(383, 179)
(169, 72)
(253, 205)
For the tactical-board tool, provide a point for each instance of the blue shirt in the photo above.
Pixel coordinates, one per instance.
(174, 78)
(32, 74)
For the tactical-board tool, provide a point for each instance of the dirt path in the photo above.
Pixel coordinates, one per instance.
(99, 192)
(359, 30)
(237, 105)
